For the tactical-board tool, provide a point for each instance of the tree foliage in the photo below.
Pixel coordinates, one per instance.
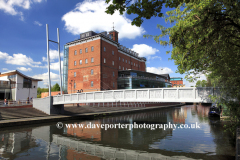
(205, 38)
(144, 9)
(201, 83)
(56, 87)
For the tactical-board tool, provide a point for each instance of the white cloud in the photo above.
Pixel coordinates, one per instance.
(90, 15)
(55, 66)
(3, 55)
(5, 69)
(159, 70)
(154, 57)
(37, 23)
(10, 6)
(144, 50)
(53, 55)
(19, 59)
(44, 77)
(24, 69)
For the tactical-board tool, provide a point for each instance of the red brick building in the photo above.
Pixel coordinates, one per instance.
(177, 82)
(92, 62)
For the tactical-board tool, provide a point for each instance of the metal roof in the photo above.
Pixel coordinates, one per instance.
(17, 72)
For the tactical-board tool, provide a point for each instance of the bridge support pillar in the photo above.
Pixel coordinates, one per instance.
(46, 105)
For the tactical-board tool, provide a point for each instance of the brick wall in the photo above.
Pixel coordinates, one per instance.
(102, 77)
(83, 76)
(177, 82)
(45, 94)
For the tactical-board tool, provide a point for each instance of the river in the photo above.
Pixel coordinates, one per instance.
(205, 140)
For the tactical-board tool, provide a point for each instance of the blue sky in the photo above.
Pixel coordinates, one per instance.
(23, 35)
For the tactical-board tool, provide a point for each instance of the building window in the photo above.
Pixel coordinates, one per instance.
(104, 60)
(131, 63)
(75, 63)
(112, 52)
(126, 68)
(80, 62)
(27, 83)
(113, 63)
(119, 58)
(92, 59)
(126, 61)
(92, 48)
(86, 61)
(104, 48)
(113, 84)
(75, 74)
(74, 85)
(91, 71)
(86, 50)
(91, 83)
(123, 68)
(134, 64)
(119, 67)
(75, 52)
(113, 74)
(80, 51)
(123, 59)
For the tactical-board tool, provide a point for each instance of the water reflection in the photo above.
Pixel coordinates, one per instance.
(47, 142)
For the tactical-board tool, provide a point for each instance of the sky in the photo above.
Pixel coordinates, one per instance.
(23, 44)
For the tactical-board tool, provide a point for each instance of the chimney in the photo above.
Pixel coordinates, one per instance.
(114, 35)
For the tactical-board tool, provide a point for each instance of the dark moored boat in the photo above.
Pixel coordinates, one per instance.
(214, 111)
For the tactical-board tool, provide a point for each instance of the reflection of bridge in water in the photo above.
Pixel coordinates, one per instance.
(110, 152)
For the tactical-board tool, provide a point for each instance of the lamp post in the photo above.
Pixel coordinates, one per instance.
(71, 86)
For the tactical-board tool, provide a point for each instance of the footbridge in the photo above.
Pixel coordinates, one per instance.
(54, 104)
(191, 94)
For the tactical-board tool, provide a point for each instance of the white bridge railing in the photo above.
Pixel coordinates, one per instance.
(190, 94)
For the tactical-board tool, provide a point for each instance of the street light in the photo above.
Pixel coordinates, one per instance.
(71, 86)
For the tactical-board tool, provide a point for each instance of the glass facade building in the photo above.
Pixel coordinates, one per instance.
(133, 79)
(65, 68)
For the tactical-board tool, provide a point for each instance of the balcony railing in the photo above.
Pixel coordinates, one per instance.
(147, 78)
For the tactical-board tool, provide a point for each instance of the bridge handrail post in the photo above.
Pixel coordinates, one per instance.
(78, 96)
(148, 94)
(194, 89)
(177, 93)
(135, 94)
(162, 93)
(193, 93)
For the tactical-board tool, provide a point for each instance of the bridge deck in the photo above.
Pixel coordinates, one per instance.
(191, 94)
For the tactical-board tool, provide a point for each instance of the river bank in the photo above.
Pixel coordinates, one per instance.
(82, 112)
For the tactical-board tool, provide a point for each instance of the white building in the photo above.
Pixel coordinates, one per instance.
(17, 86)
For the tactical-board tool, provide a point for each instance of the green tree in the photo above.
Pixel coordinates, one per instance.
(205, 38)
(40, 90)
(56, 87)
(201, 83)
(144, 9)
